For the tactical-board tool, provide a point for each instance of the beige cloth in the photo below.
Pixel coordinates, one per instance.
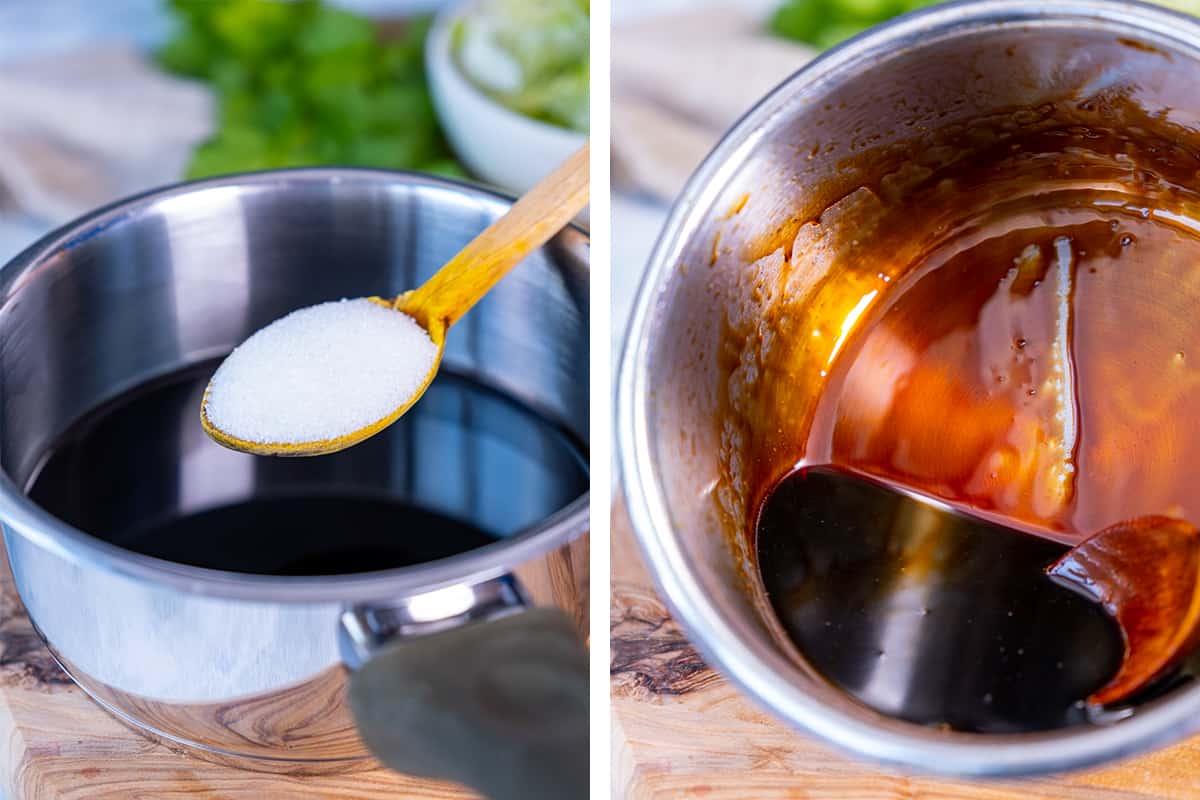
(81, 129)
(679, 82)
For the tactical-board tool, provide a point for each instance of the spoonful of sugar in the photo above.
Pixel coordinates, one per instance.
(328, 376)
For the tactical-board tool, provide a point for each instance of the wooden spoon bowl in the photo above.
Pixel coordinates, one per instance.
(1146, 575)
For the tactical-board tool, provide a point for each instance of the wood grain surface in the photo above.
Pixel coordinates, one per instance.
(59, 745)
(681, 731)
(56, 744)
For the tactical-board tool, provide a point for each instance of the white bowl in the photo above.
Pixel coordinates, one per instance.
(499, 145)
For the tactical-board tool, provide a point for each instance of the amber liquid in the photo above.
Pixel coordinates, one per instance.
(1044, 367)
(1038, 369)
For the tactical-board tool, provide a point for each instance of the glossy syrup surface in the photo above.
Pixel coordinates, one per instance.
(1043, 368)
(466, 467)
(928, 616)
(1035, 366)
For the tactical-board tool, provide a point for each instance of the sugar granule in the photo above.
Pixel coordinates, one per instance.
(319, 373)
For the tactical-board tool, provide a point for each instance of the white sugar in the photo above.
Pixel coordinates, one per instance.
(319, 373)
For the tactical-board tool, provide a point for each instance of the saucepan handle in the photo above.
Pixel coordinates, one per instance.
(472, 685)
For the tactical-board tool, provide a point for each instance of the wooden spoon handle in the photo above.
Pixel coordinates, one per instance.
(528, 225)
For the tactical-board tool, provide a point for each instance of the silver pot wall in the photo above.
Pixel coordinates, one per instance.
(790, 158)
(242, 664)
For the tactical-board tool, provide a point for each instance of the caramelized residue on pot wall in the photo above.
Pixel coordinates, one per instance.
(1002, 316)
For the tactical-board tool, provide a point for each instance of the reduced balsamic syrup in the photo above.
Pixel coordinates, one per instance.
(928, 615)
(1013, 319)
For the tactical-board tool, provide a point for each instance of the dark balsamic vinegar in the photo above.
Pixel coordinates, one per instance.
(466, 467)
(928, 615)
(307, 535)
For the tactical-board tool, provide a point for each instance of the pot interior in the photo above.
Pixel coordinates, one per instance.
(110, 338)
(810, 219)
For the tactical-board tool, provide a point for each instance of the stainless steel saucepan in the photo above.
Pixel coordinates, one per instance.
(695, 416)
(252, 667)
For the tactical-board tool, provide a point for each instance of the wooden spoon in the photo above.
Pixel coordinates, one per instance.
(1146, 575)
(452, 291)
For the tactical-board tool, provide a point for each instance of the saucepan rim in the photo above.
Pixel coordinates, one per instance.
(760, 670)
(23, 517)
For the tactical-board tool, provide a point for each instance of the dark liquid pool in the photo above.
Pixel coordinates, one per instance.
(465, 467)
(926, 615)
(1015, 332)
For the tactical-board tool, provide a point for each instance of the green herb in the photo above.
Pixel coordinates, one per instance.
(824, 23)
(300, 83)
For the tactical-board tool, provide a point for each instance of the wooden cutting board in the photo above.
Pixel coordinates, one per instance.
(56, 744)
(682, 731)
(59, 745)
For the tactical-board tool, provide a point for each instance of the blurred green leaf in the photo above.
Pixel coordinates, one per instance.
(801, 20)
(234, 149)
(300, 83)
(332, 31)
(230, 76)
(251, 29)
(835, 34)
(447, 168)
(189, 53)
(402, 59)
(399, 107)
(825, 23)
